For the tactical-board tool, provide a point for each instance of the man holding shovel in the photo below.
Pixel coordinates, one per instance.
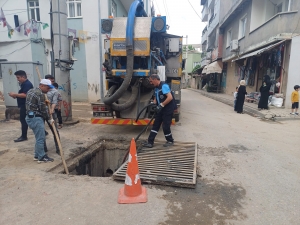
(37, 112)
(52, 95)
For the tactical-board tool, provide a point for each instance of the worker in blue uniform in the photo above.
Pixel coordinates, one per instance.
(165, 106)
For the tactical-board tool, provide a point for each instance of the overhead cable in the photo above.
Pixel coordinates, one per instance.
(194, 10)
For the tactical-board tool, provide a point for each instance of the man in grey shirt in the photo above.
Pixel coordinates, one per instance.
(52, 96)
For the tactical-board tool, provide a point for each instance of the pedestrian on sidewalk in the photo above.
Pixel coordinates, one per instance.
(295, 100)
(37, 112)
(58, 108)
(265, 93)
(240, 97)
(165, 106)
(235, 96)
(53, 96)
(25, 85)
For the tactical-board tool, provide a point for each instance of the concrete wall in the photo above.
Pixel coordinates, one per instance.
(79, 74)
(294, 68)
(231, 80)
(94, 69)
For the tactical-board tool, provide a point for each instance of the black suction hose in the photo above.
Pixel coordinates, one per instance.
(137, 137)
(142, 111)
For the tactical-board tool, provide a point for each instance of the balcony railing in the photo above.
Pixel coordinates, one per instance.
(204, 14)
(213, 22)
(278, 24)
(204, 37)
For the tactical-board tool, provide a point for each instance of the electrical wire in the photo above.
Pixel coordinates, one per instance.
(166, 10)
(16, 13)
(194, 10)
(157, 6)
(4, 3)
(16, 50)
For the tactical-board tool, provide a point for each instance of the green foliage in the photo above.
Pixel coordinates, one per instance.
(196, 68)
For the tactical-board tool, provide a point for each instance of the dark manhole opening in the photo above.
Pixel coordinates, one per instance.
(101, 162)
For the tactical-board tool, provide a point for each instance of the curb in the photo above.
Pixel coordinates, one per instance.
(247, 110)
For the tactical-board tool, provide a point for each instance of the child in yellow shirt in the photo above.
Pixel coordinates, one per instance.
(295, 100)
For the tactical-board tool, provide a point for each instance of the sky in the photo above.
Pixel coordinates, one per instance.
(181, 18)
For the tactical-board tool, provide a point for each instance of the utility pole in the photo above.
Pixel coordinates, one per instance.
(61, 55)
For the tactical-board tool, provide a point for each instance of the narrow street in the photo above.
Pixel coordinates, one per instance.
(248, 173)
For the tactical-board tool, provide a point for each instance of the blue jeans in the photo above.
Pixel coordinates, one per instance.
(38, 127)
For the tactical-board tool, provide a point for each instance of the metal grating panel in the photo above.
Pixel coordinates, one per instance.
(173, 166)
(142, 27)
(140, 45)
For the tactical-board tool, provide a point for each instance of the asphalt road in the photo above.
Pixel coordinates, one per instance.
(248, 173)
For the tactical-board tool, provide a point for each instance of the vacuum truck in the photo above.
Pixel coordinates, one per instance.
(136, 47)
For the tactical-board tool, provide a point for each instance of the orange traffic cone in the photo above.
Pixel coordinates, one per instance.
(132, 192)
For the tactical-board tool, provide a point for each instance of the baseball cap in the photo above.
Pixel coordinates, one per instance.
(46, 82)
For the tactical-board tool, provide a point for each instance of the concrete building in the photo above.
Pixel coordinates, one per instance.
(212, 45)
(192, 56)
(260, 37)
(83, 24)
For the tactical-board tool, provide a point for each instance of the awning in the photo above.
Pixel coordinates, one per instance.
(204, 70)
(260, 51)
(215, 67)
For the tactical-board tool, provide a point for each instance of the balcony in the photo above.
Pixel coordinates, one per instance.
(204, 14)
(204, 36)
(210, 3)
(278, 25)
(213, 22)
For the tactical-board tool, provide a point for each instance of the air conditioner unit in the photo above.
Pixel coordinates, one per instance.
(234, 45)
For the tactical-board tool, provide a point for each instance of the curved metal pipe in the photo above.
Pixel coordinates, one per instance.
(129, 103)
(136, 6)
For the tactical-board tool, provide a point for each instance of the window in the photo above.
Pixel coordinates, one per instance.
(74, 8)
(113, 9)
(243, 23)
(229, 38)
(34, 10)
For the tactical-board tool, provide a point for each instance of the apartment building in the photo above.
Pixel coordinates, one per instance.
(83, 27)
(260, 37)
(212, 45)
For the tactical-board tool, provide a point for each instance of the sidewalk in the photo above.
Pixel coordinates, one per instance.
(274, 113)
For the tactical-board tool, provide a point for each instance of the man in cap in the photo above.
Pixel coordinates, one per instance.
(53, 96)
(25, 85)
(37, 112)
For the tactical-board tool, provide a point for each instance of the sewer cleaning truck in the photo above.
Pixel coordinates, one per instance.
(136, 47)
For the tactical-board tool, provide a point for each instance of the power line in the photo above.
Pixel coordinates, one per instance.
(194, 9)
(4, 3)
(16, 13)
(166, 9)
(16, 50)
(157, 6)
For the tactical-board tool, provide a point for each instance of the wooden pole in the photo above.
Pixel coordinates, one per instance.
(54, 128)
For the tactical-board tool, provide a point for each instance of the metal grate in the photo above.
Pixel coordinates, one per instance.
(172, 166)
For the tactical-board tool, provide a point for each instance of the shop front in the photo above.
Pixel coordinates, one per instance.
(254, 66)
(214, 77)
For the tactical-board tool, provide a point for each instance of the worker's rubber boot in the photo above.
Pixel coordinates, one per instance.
(148, 145)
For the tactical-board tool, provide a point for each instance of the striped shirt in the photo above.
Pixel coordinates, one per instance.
(35, 101)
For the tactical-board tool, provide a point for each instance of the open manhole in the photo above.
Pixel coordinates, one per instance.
(175, 165)
(101, 159)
